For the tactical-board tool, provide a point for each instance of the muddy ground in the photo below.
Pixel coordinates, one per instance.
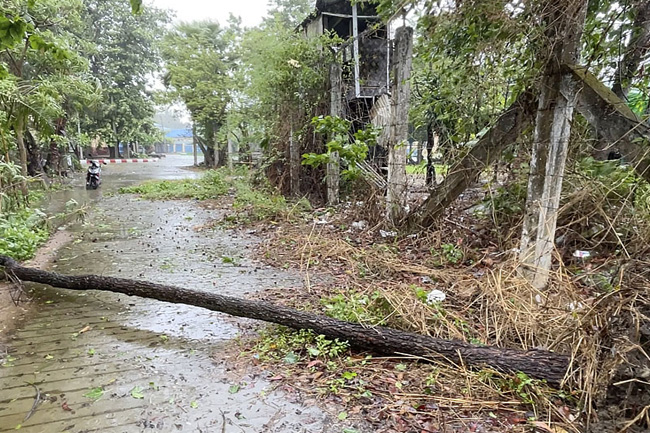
(110, 363)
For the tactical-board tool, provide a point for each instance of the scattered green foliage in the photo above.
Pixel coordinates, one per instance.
(95, 393)
(136, 392)
(211, 184)
(226, 259)
(351, 307)
(22, 232)
(277, 342)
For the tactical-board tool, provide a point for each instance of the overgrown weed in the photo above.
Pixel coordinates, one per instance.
(211, 184)
(251, 203)
(22, 232)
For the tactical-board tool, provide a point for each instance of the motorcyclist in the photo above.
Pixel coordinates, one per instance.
(94, 164)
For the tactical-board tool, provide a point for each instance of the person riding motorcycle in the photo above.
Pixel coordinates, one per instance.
(93, 165)
(94, 170)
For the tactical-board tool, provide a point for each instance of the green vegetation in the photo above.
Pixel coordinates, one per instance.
(282, 343)
(353, 307)
(350, 152)
(211, 184)
(252, 203)
(22, 232)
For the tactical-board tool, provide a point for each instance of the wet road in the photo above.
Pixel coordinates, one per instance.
(111, 363)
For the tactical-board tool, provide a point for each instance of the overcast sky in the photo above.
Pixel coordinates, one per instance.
(250, 11)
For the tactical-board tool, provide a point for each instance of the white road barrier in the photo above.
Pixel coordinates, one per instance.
(122, 161)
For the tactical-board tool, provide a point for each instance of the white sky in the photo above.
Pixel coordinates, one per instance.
(250, 11)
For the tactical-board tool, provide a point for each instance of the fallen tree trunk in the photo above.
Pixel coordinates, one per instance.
(539, 364)
(461, 175)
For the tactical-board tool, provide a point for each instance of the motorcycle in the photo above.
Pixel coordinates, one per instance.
(93, 177)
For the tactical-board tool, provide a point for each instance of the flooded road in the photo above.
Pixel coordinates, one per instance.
(111, 363)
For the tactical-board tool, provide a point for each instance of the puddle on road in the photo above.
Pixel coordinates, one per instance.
(152, 363)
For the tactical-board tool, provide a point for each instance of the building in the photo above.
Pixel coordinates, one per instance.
(365, 62)
(177, 141)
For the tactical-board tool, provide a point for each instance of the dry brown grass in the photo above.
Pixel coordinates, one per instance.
(489, 303)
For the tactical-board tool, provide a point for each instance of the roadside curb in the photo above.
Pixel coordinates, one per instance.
(121, 161)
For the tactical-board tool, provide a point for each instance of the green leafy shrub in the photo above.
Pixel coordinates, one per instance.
(22, 232)
(350, 151)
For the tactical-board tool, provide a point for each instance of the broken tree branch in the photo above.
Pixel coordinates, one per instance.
(539, 364)
(461, 175)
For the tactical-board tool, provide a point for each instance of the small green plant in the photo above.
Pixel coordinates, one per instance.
(450, 253)
(281, 343)
(357, 308)
(349, 151)
(521, 385)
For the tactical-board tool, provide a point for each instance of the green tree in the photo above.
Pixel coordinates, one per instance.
(200, 59)
(123, 55)
(40, 69)
(289, 12)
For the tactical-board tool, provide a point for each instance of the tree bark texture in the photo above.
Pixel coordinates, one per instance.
(551, 140)
(400, 93)
(294, 159)
(430, 180)
(461, 175)
(194, 146)
(208, 152)
(336, 110)
(230, 146)
(20, 141)
(54, 160)
(538, 364)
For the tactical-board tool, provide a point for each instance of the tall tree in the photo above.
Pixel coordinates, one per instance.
(123, 55)
(199, 61)
(41, 70)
